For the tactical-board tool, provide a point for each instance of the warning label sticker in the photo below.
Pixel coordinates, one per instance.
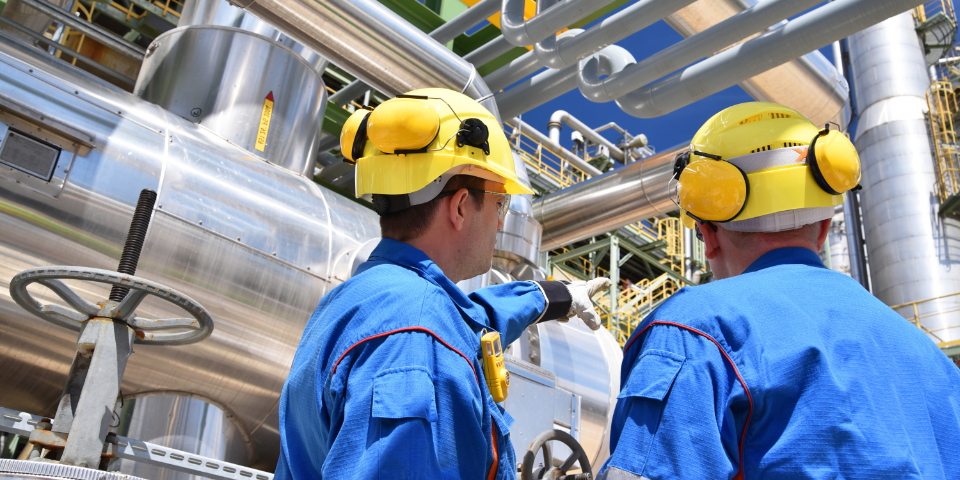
(264, 122)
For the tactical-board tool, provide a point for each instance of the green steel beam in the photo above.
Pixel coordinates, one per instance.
(155, 10)
(625, 258)
(334, 116)
(653, 261)
(570, 271)
(577, 252)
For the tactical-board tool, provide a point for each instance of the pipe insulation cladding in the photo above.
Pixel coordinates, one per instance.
(913, 252)
(373, 43)
(806, 33)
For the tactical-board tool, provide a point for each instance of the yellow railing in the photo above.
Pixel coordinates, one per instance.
(942, 105)
(173, 7)
(543, 161)
(929, 9)
(914, 316)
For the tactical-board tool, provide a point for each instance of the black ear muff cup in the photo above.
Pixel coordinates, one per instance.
(360, 139)
(474, 132)
(815, 167)
(681, 161)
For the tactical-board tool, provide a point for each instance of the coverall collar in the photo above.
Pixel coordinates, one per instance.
(411, 257)
(784, 256)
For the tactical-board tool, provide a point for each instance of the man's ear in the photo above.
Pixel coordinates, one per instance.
(711, 245)
(824, 231)
(456, 208)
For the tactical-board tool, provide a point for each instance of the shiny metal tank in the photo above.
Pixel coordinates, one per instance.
(252, 242)
(913, 252)
(809, 84)
(253, 92)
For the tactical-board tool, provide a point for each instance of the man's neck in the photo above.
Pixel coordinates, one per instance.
(440, 253)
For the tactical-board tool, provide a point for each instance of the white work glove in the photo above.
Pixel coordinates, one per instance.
(581, 304)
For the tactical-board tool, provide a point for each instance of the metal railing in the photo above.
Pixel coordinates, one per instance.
(163, 8)
(942, 107)
(914, 316)
(927, 10)
(543, 161)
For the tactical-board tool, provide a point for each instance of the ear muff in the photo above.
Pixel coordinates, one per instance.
(404, 124)
(714, 191)
(834, 162)
(354, 135)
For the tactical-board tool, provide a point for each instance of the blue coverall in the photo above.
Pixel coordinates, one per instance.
(788, 371)
(388, 382)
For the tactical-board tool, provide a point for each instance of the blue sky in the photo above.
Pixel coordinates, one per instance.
(662, 132)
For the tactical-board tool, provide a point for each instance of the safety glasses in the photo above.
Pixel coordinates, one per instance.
(501, 209)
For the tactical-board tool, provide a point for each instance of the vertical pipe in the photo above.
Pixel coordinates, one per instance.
(914, 253)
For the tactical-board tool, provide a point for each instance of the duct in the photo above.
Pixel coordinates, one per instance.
(805, 33)
(520, 67)
(588, 209)
(561, 116)
(552, 16)
(913, 251)
(557, 52)
(373, 43)
(222, 78)
(542, 139)
(692, 49)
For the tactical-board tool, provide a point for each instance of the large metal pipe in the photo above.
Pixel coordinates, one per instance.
(806, 33)
(562, 116)
(692, 49)
(373, 43)
(556, 52)
(602, 204)
(912, 249)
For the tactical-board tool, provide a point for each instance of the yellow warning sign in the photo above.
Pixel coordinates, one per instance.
(264, 122)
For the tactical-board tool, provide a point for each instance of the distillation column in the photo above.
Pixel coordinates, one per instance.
(913, 252)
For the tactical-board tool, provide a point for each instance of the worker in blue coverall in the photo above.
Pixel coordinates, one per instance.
(388, 380)
(781, 368)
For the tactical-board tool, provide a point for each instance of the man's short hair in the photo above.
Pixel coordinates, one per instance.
(413, 222)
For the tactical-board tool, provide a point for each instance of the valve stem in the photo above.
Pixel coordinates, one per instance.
(135, 237)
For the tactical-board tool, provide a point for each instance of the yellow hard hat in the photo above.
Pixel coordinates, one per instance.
(764, 167)
(412, 140)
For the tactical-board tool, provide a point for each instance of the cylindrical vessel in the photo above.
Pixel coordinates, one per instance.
(181, 423)
(911, 249)
(247, 89)
(253, 243)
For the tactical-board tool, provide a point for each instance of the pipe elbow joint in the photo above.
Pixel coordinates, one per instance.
(609, 61)
(512, 24)
(549, 50)
(639, 103)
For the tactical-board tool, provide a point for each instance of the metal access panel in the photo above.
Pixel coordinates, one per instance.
(529, 402)
(29, 154)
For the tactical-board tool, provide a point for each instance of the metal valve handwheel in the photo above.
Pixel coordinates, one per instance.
(549, 471)
(148, 331)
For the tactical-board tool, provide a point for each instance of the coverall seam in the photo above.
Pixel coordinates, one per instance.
(746, 423)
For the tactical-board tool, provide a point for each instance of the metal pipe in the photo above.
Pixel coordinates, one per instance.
(562, 116)
(489, 51)
(520, 67)
(691, 49)
(96, 32)
(585, 210)
(349, 92)
(805, 33)
(373, 43)
(555, 52)
(537, 90)
(465, 20)
(551, 16)
(542, 139)
(912, 249)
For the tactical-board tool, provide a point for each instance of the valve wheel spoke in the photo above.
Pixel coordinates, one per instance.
(149, 331)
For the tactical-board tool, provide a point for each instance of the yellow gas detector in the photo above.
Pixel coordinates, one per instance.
(498, 378)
